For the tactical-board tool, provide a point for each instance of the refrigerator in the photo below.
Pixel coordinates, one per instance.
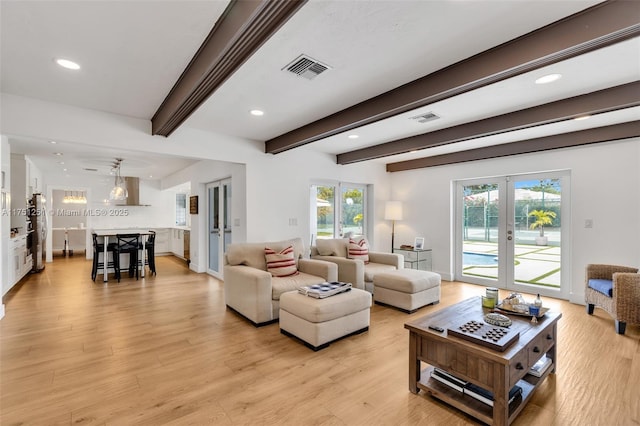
(38, 231)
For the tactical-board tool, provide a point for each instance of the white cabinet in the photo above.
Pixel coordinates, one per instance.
(177, 242)
(20, 260)
(34, 178)
(5, 219)
(18, 192)
(162, 241)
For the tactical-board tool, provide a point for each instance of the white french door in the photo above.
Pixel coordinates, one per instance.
(218, 224)
(510, 232)
(337, 209)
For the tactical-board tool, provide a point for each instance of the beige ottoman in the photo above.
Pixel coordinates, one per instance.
(318, 322)
(407, 289)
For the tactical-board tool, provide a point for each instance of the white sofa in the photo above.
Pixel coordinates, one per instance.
(355, 271)
(253, 292)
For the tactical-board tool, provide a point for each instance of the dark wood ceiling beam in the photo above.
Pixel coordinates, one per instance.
(243, 27)
(565, 140)
(597, 27)
(615, 98)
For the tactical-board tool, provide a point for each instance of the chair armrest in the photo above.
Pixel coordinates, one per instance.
(248, 290)
(349, 270)
(626, 296)
(604, 272)
(319, 268)
(393, 259)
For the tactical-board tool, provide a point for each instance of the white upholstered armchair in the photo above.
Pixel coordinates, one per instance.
(352, 269)
(253, 292)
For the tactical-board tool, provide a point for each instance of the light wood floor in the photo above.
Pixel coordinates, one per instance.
(164, 350)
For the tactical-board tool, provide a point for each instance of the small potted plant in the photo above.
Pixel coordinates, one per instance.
(542, 218)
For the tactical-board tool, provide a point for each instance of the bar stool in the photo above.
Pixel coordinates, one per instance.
(149, 245)
(98, 249)
(128, 243)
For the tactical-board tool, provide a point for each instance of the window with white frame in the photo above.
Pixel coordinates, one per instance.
(181, 209)
(337, 210)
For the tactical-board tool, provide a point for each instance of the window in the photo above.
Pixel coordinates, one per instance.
(181, 209)
(338, 210)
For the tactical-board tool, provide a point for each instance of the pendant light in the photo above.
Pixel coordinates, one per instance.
(119, 191)
(73, 197)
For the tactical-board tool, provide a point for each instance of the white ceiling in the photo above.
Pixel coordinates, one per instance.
(371, 46)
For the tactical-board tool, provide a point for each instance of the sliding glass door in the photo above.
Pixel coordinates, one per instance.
(510, 232)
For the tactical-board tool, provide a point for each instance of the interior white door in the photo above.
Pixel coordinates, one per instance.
(219, 228)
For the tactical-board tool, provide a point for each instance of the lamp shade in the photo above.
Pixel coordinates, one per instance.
(393, 210)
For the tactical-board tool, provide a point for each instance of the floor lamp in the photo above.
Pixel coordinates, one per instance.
(393, 212)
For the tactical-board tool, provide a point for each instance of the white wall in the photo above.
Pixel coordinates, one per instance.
(276, 186)
(21, 116)
(604, 187)
(269, 190)
(5, 218)
(278, 190)
(198, 175)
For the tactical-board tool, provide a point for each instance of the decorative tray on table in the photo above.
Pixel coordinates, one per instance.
(522, 310)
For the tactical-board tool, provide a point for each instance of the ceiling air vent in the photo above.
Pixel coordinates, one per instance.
(306, 67)
(423, 118)
(89, 170)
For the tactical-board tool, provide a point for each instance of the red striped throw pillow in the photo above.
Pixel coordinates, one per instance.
(281, 264)
(359, 250)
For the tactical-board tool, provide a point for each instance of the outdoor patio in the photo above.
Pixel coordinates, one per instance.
(534, 264)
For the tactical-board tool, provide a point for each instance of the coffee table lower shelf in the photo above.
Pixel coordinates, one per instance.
(472, 406)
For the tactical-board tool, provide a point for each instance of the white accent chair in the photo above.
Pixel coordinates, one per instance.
(251, 291)
(355, 271)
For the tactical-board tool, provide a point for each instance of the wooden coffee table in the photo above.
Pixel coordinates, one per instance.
(492, 369)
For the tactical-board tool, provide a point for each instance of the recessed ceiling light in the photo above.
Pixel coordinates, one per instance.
(353, 136)
(57, 153)
(256, 112)
(582, 117)
(60, 162)
(65, 63)
(64, 170)
(549, 78)
(53, 142)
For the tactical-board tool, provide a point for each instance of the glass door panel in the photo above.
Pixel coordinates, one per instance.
(227, 215)
(214, 228)
(480, 226)
(325, 217)
(352, 219)
(537, 210)
(219, 224)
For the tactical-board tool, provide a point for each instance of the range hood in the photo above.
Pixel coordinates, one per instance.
(133, 189)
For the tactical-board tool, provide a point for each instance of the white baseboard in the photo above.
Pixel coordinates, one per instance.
(445, 277)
